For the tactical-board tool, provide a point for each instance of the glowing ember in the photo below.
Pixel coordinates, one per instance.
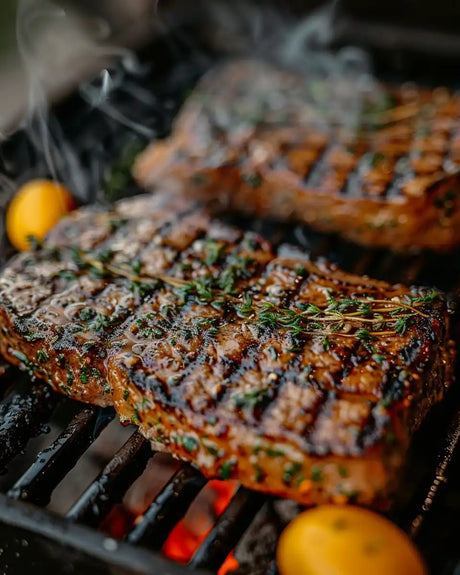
(189, 533)
(118, 522)
(182, 543)
(229, 565)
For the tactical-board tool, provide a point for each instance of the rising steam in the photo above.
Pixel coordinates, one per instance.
(53, 42)
(59, 50)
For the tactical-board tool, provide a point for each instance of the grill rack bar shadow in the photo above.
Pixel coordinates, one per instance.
(112, 483)
(53, 463)
(168, 508)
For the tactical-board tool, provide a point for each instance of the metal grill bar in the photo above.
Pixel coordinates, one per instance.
(52, 540)
(52, 464)
(113, 482)
(228, 530)
(168, 508)
(446, 456)
(22, 417)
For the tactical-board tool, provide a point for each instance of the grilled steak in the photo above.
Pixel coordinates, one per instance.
(382, 171)
(291, 376)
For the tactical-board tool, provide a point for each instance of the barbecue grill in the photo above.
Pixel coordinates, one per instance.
(33, 537)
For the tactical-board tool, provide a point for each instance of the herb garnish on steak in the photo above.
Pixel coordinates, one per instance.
(294, 377)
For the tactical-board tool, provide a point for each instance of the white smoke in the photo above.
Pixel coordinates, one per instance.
(59, 50)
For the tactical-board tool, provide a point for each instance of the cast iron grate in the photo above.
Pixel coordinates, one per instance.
(31, 536)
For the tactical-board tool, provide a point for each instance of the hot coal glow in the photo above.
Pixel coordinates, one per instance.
(189, 533)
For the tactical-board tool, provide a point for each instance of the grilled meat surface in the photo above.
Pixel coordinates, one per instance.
(379, 167)
(291, 376)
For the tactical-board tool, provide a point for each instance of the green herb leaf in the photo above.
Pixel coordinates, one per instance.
(226, 469)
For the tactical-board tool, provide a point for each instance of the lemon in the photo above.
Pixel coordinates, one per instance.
(34, 210)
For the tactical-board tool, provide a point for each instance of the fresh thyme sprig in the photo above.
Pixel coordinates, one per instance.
(361, 318)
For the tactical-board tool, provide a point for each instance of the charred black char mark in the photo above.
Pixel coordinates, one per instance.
(204, 337)
(319, 168)
(172, 393)
(147, 382)
(255, 410)
(377, 427)
(410, 354)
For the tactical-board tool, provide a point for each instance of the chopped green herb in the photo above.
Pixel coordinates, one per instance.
(70, 377)
(248, 399)
(343, 471)
(214, 252)
(326, 344)
(253, 180)
(364, 309)
(290, 471)
(87, 346)
(136, 266)
(403, 323)
(86, 314)
(260, 475)
(246, 308)
(273, 451)
(317, 474)
(190, 443)
(226, 469)
(167, 310)
(65, 389)
(301, 271)
(34, 336)
(377, 159)
(211, 448)
(363, 334)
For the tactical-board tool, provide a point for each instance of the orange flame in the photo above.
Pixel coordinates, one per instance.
(190, 533)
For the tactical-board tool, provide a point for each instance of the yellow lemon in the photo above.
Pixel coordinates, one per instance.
(346, 540)
(34, 210)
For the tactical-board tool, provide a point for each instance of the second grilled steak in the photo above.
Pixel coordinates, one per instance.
(293, 377)
(379, 167)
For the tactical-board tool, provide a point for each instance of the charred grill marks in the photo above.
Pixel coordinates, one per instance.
(272, 369)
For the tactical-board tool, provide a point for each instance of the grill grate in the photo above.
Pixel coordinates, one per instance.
(113, 482)
(52, 465)
(168, 508)
(54, 542)
(228, 530)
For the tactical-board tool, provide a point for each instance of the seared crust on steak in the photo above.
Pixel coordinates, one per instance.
(293, 377)
(381, 171)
